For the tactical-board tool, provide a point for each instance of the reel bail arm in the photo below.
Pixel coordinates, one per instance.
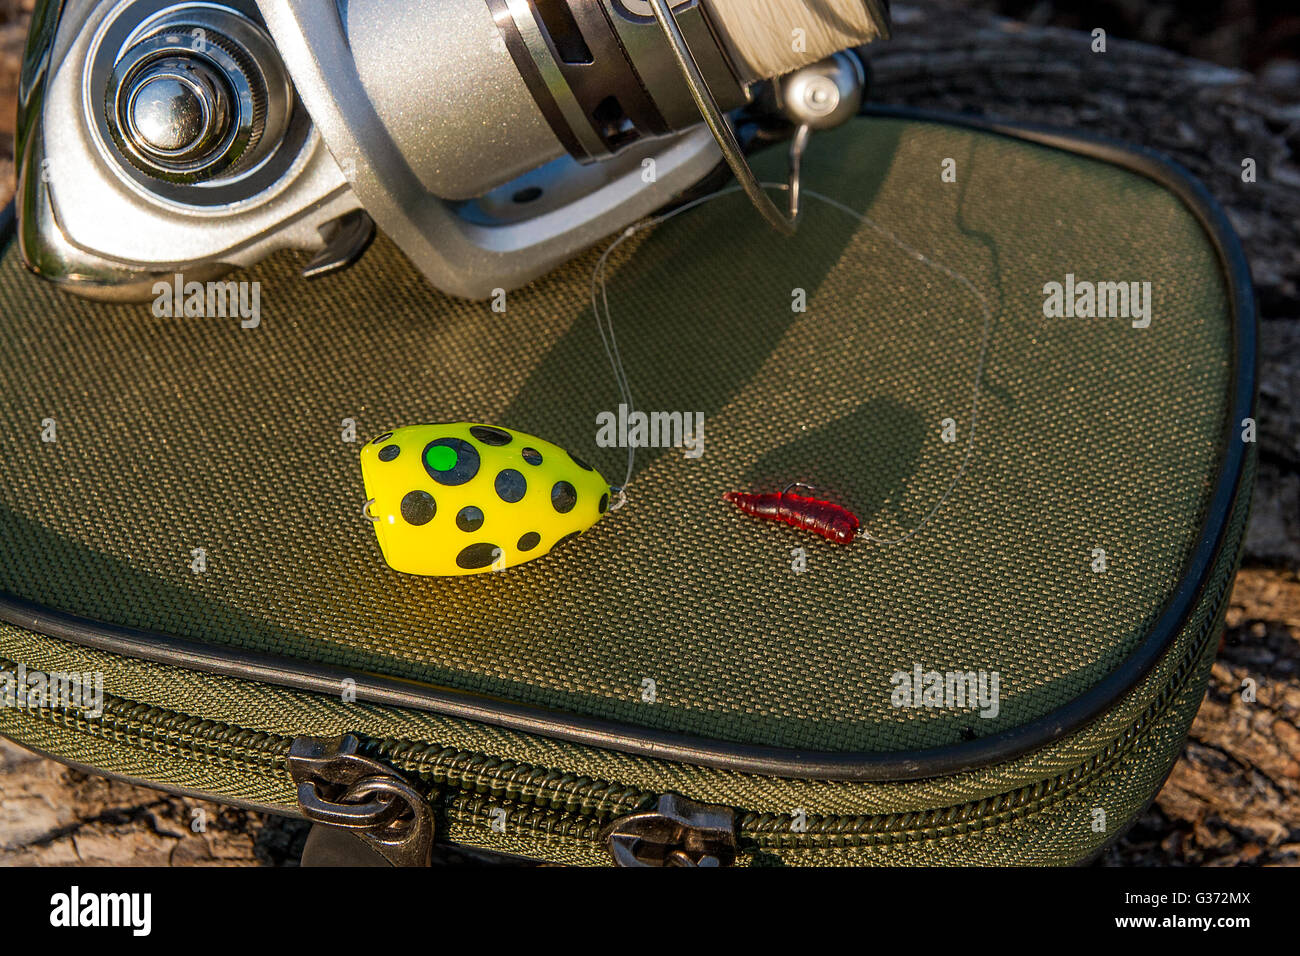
(818, 96)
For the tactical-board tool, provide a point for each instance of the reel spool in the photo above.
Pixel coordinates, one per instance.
(615, 72)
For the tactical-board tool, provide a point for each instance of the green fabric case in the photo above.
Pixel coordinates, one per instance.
(774, 692)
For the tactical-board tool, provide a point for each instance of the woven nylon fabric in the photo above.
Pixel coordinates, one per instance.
(176, 434)
(1037, 809)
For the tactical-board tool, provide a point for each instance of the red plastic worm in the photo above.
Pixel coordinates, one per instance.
(811, 514)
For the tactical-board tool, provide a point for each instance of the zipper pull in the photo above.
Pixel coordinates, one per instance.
(345, 792)
(677, 832)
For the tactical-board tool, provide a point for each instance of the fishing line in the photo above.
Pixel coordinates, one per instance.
(605, 326)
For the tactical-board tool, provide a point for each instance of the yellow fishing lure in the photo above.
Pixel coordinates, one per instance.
(464, 498)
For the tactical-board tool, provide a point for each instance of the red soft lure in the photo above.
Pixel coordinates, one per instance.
(811, 514)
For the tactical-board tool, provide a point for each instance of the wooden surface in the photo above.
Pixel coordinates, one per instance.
(1234, 797)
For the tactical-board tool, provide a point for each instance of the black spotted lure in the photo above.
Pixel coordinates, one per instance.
(462, 498)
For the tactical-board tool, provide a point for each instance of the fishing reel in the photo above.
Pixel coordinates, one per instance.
(491, 140)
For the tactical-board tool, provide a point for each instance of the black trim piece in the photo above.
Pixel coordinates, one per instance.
(533, 79)
(779, 761)
(608, 77)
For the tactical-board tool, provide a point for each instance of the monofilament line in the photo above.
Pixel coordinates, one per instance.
(605, 325)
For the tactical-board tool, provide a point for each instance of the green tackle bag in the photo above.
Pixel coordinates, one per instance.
(181, 525)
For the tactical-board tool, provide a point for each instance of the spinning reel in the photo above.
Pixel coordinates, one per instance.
(491, 140)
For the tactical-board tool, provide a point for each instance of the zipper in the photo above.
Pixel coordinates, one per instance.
(385, 791)
(340, 787)
(677, 832)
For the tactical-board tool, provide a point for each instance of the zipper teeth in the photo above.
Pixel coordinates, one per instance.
(464, 773)
(172, 732)
(508, 781)
(577, 806)
(775, 831)
(480, 812)
(581, 817)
